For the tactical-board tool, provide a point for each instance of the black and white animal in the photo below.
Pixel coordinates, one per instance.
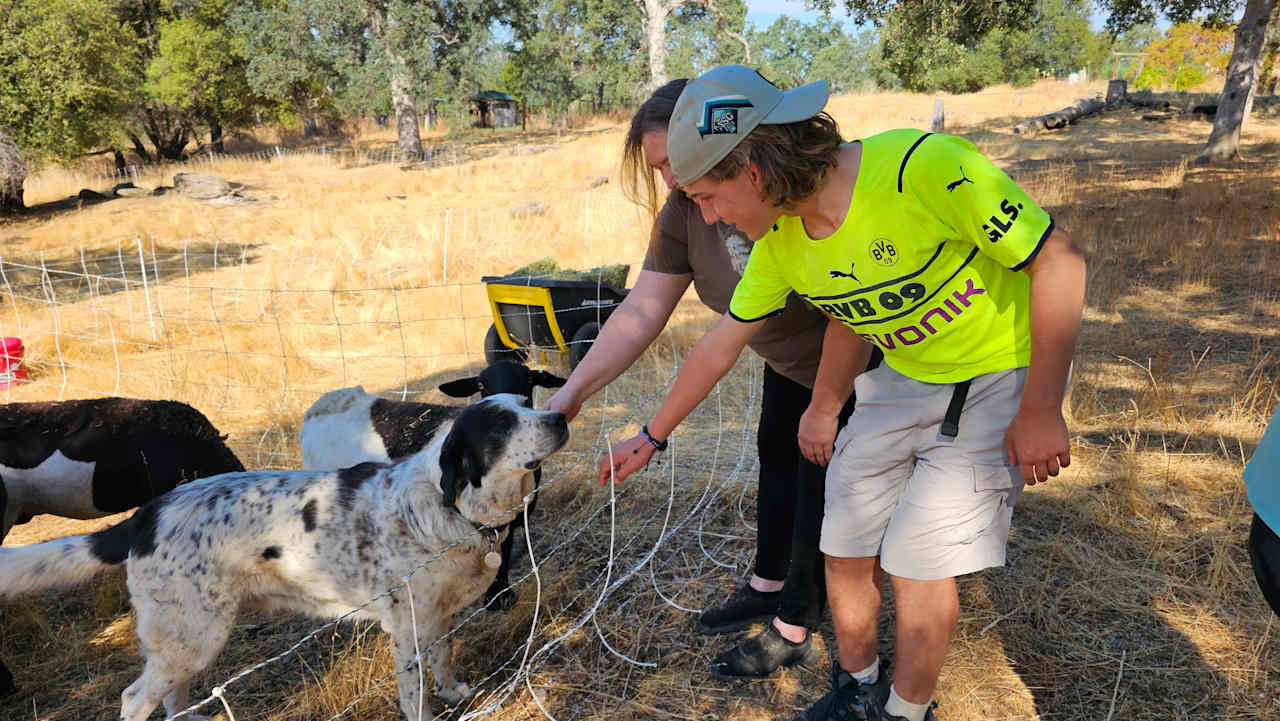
(318, 542)
(348, 426)
(91, 458)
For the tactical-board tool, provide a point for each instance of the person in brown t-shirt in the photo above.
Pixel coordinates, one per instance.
(787, 584)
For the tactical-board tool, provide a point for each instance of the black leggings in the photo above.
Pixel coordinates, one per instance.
(789, 502)
(1264, 551)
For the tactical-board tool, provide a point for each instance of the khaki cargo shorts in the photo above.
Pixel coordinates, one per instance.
(930, 506)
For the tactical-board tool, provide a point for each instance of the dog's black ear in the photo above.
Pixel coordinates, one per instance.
(547, 380)
(460, 464)
(454, 460)
(461, 388)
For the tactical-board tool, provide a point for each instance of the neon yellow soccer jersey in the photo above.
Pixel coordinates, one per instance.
(925, 266)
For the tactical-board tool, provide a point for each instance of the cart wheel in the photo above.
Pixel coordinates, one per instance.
(495, 351)
(581, 343)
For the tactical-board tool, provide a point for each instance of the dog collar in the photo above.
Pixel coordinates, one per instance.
(491, 558)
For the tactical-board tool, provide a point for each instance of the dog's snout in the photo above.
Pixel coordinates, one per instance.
(558, 421)
(558, 425)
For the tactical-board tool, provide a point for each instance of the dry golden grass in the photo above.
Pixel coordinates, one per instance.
(1128, 595)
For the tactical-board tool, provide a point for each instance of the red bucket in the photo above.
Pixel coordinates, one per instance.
(12, 371)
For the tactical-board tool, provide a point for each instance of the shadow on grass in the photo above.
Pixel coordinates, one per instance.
(1083, 604)
(106, 271)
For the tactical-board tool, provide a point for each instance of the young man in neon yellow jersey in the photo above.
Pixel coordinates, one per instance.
(916, 243)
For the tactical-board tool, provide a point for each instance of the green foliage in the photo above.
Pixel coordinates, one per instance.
(785, 52)
(926, 44)
(66, 77)
(1057, 42)
(697, 39)
(1125, 14)
(957, 46)
(200, 67)
(312, 57)
(593, 51)
(851, 63)
(1187, 55)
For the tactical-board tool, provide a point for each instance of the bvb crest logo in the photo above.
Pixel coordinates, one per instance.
(883, 253)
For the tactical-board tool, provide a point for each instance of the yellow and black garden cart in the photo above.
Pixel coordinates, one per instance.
(550, 312)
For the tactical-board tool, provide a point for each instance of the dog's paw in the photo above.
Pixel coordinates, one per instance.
(455, 693)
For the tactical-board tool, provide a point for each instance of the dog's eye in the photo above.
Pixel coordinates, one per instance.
(532, 465)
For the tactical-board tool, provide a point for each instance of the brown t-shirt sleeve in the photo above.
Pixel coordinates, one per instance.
(669, 239)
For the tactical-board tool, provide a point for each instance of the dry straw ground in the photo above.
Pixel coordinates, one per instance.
(1128, 595)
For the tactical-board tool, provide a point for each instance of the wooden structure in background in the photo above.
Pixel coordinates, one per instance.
(494, 109)
(1142, 61)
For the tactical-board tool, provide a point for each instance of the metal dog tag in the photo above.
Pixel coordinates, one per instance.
(492, 559)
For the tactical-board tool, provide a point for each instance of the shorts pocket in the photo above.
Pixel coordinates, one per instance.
(995, 478)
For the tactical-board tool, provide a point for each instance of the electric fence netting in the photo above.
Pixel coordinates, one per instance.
(605, 574)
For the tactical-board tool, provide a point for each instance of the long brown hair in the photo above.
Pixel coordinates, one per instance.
(652, 116)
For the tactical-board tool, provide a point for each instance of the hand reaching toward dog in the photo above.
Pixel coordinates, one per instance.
(563, 401)
(626, 458)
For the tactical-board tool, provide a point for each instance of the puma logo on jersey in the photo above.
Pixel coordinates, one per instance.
(963, 179)
(842, 274)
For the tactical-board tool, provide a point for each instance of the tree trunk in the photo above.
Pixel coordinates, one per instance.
(171, 147)
(140, 148)
(655, 26)
(1059, 119)
(119, 158)
(13, 172)
(1242, 79)
(383, 25)
(215, 136)
(168, 133)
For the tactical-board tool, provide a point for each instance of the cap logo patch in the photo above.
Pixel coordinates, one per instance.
(720, 115)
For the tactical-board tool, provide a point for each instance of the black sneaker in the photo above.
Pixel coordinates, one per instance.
(763, 654)
(928, 715)
(850, 700)
(745, 607)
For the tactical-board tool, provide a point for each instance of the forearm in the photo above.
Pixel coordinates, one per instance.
(629, 331)
(708, 362)
(844, 357)
(1057, 302)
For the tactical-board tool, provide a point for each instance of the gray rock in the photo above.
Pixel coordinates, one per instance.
(525, 210)
(201, 186)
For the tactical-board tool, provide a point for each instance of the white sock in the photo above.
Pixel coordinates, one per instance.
(897, 706)
(868, 675)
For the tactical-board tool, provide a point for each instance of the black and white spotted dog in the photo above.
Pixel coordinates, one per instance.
(318, 542)
(348, 426)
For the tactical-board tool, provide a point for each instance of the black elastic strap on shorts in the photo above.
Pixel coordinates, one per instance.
(951, 421)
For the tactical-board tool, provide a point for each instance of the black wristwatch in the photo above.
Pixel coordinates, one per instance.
(658, 445)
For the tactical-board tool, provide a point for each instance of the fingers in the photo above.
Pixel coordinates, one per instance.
(606, 469)
(818, 454)
(1052, 466)
(625, 459)
(1041, 471)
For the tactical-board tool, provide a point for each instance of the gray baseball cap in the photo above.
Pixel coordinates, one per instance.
(722, 106)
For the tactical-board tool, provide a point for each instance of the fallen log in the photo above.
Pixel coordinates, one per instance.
(1061, 118)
